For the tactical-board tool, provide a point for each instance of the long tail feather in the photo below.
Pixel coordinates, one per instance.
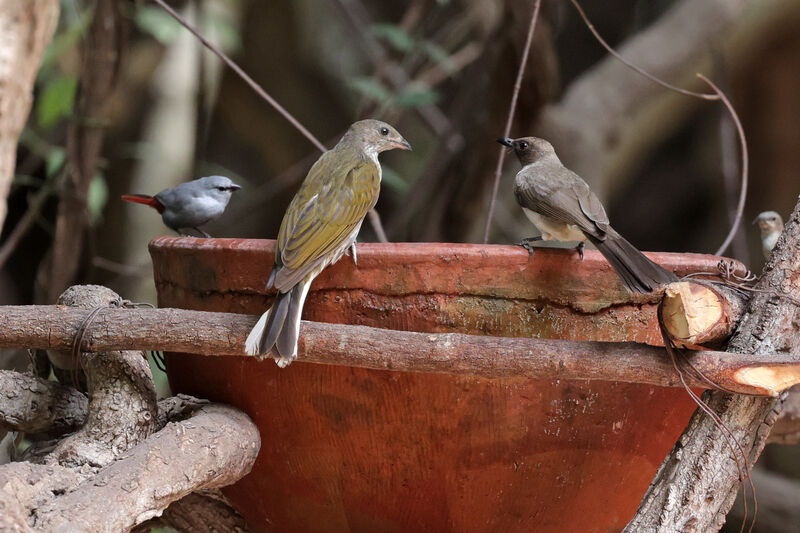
(145, 199)
(637, 272)
(262, 337)
(286, 344)
(278, 329)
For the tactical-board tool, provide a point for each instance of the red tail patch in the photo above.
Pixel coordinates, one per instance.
(144, 199)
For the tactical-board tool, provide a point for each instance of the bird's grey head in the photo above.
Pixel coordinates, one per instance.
(218, 187)
(769, 222)
(528, 149)
(374, 137)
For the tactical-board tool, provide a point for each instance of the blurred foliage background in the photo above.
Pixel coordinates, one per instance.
(442, 72)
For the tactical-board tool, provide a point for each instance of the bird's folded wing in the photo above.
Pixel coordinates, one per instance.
(567, 204)
(320, 221)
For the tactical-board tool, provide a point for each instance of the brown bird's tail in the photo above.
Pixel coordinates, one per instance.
(152, 201)
(637, 272)
(278, 329)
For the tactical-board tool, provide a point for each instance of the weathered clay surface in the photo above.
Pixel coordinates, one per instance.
(370, 450)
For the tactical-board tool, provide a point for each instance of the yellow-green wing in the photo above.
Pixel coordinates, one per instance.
(324, 215)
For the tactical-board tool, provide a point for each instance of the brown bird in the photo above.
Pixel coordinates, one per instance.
(562, 206)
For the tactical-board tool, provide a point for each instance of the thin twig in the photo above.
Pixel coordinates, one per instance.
(242, 74)
(704, 96)
(507, 131)
(745, 165)
(730, 166)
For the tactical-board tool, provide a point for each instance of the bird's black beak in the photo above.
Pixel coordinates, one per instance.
(506, 142)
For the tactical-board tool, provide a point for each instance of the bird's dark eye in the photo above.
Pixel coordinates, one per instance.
(222, 188)
(384, 131)
(523, 145)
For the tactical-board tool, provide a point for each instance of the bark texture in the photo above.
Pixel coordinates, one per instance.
(209, 333)
(214, 448)
(25, 30)
(32, 405)
(122, 398)
(697, 483)
(130, 455)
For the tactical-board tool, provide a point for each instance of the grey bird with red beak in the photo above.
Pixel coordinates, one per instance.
(562, 206)
(190, 205)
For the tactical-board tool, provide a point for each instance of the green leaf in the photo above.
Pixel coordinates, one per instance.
(54, 161)
(371, 88)
(416, 95)
(56, 101)
(158, 23)
(98, 197)
(394, 36)
(439, 55)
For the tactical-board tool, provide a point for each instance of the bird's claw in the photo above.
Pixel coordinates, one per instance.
(579, 249)
(528, 244)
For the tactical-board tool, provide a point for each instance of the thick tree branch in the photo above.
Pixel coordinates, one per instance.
(122, 398)
(33, 405)
(27, 28)
(24, 486)
(696, 485)
(208, 333)
(213, 448)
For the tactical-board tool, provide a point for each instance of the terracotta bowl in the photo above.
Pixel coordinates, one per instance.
(357, 450)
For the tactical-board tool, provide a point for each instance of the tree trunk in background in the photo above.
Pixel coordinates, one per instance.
(25, 30)
(101, 51)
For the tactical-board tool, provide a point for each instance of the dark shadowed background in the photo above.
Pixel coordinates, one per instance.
(442, 71)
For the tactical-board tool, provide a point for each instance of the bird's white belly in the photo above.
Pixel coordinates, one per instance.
(769, 242)
(553, 230)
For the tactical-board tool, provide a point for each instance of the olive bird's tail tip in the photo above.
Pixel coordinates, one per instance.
(283, 362)
(253, 343)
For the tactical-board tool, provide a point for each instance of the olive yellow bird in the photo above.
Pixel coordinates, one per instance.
(320, 225)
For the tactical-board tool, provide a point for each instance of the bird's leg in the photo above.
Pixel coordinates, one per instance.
(527, 243)
(579, 249)
(203, 233)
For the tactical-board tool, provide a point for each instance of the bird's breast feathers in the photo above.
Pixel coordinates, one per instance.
(553, 229)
